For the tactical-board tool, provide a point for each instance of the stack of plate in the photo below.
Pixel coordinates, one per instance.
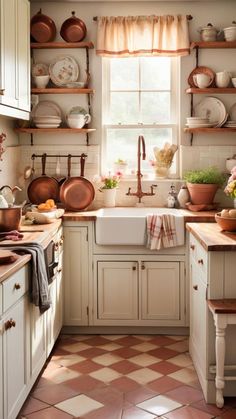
(198, 122)
(230, 124)
(213, 109)
(47, 121)
(46, 114)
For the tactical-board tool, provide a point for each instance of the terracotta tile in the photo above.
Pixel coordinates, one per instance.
(92, 352)
(50, 413)
(126, 352)
(182, 360)
(60, 375)
(128, 341)
(144, 360)
(79, 406)
(144, 346)
(54, 394)
(188, 412)
(144, 375)
(163, 353)
(125, 367)
(32, 405)
(139, 395)
(164, 367)
(85, 367)
(185, 394)
(159, 405)
(107, 395)
(105, 374)
(124, 384)
(209, 408)
(111, 346)
(84, 383)
(182, 346)
(107, 359)
(160, 340)
(97, 341)
(76, 347)
(185, 375)
(230, 414)
(106, 412)
(136, 413)
(164, 384)
(68, 360)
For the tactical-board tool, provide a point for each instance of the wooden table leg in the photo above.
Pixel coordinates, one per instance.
(220, 323)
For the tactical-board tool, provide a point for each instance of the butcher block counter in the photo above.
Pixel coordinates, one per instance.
(211, 237)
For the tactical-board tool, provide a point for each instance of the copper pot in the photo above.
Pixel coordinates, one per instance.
(42, 28)
(73, 29)
(10, 218)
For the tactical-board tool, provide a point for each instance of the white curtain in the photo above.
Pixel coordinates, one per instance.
(142, 36)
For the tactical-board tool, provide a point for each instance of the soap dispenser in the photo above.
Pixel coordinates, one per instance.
(183, 196)
(172, 198)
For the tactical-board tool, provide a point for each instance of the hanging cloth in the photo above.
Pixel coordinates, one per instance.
(142, 36)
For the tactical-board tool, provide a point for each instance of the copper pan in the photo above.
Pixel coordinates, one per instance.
(76, 193)
(73, 29)
(42, 28)
(43, 187)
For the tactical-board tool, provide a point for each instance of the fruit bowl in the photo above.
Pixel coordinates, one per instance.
(226, 223)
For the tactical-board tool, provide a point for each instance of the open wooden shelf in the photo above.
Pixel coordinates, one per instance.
(215, 44)
(209, 130)
(62, 90)
(48, 45)
(53, 130)
(219, 90)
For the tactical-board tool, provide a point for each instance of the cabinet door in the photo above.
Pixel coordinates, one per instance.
(117, 290)
(160, 284)
(15, 356)
(38, 341)
(76, 276)
(1, 370)
(23, 55)
(198, 320)
(8, 53)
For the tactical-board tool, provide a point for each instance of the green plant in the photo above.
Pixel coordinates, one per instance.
(205, 176)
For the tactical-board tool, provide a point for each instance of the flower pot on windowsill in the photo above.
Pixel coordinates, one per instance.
(109, 197)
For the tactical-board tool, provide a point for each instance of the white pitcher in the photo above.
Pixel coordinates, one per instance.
(202, 80)
(223, 79)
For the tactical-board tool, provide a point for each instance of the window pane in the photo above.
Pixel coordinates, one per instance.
(155, 107)
(123, 143)
(124, 74)
(155, 73)
(124, 108)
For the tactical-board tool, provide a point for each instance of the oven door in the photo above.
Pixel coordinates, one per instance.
(50, 260)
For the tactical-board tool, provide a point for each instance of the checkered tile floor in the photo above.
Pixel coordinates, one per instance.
(114, 377)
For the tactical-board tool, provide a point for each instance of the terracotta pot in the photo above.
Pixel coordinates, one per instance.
(73, 29)
(201, 193)
(10, 218)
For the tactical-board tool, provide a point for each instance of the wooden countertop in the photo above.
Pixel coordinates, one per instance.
(211, 237)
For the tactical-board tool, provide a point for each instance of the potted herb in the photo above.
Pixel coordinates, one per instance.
(203, 184)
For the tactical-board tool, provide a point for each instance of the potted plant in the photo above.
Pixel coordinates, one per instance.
(110, 184)
(203, 184)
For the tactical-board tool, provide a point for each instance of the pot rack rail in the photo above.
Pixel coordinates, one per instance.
(34, 156)
(189, 17)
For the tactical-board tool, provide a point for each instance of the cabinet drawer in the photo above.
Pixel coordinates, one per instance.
(14, 287)
(198, 254)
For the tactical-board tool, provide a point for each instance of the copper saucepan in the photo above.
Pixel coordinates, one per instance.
(73, 29)
(43, 187)
(42, 28)
(76, 193)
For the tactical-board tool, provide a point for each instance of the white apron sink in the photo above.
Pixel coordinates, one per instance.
(125, 226)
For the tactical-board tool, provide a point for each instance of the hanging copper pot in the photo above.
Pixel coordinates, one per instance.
(42, 28)
(73, 29)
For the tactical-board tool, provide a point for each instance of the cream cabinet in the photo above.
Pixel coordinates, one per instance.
(37, 341)
(54, 314)
(15, 58)
(77, 270)
(133, 290)
(15, 342)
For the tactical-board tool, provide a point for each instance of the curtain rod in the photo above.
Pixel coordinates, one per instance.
(189, 17)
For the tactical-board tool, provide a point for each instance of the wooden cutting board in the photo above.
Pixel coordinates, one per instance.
(6, 256)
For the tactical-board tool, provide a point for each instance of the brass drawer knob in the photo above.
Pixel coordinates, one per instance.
(195, 287)
(134, 268)
(17, 286)
(200, 261)
(143, 267)
(9, 324)
(192, 246)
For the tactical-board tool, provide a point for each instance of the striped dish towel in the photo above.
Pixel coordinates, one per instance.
(166, 230)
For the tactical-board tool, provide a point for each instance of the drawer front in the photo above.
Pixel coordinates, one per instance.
(14, 287)
(198, 254)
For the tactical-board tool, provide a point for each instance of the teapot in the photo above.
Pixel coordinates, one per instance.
(223, 78)
(208, 33)
(8, 194)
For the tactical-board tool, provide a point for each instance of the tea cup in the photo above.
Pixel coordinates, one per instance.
(223, 79)
(41, 81)
(202, 80)
(77, 121)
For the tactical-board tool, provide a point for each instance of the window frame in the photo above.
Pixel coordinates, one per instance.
(174, 111)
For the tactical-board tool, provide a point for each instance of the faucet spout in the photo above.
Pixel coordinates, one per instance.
(141, 153)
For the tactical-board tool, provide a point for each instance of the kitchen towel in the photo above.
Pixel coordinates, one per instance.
(165, 230)
(38, 288)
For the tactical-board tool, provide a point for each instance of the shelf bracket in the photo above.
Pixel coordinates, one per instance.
(31, 139)
(197, 55)
(87, 139)
(191, 139)
(87, 60)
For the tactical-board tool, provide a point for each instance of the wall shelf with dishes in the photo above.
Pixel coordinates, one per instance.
(218, 121)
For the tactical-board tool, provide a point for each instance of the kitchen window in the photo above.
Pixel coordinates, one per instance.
(140, 97)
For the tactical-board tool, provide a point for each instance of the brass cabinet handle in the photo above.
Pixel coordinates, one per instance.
(9, 324)
(195, 287)
(2, 92)
(143, 267)
(192, 246)
(134, 268)
(200, 261)
(17, 286)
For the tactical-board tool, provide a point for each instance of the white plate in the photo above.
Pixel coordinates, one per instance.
(47, 125)
(232, 112)
(200, 125)
(212, 108)
(46, 108)
(39, 69)
(64, 70)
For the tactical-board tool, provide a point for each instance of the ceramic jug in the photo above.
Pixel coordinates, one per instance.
(202, 80)
(223, 79)
(208, 33)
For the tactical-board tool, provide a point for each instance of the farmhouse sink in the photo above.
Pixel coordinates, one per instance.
(125, 226)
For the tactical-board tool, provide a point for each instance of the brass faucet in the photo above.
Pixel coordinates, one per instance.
(139, 193)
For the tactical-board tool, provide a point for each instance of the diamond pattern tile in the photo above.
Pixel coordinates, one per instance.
(121, 377)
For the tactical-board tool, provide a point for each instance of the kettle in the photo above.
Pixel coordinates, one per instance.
(8, 194)
(208, 33)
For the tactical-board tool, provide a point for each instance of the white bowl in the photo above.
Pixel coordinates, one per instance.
(41, 81)
(233, 81)
(230, 33)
